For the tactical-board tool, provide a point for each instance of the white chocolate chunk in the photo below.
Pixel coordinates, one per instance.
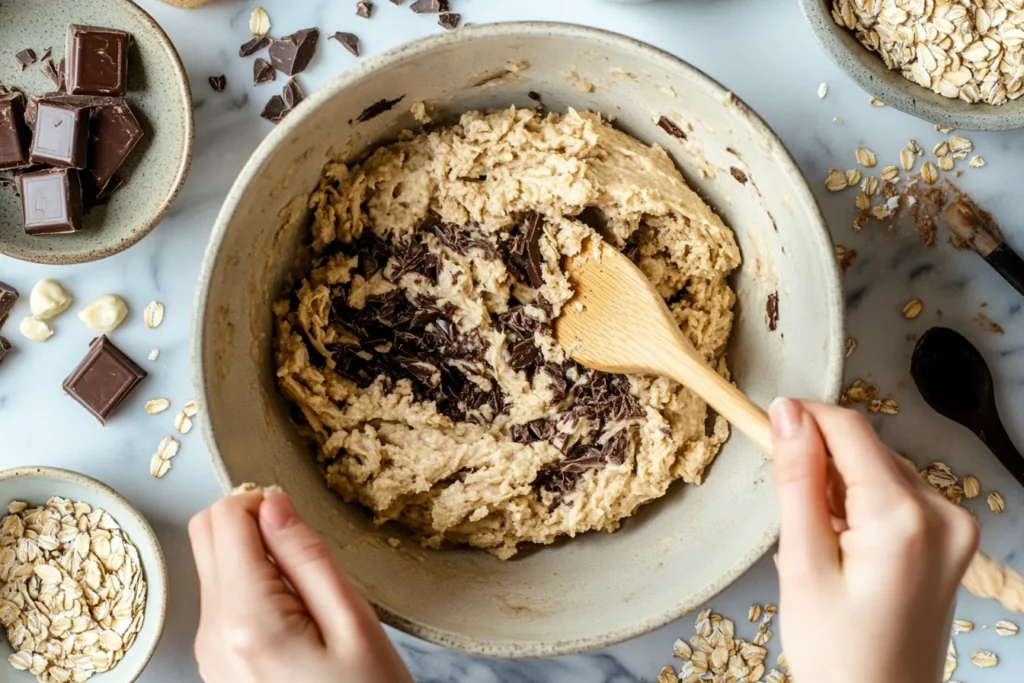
(35, 329)
(104, 313)
(48, 299)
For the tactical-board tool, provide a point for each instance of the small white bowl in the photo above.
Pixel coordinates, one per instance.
(36, 485)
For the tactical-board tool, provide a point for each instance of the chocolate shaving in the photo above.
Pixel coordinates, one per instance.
(293, 94)
(218, 83)
(253, 46)
(50, 71)
(364, 9)
(378, 108)
(275, 109)
(262, 71)
(26, 57)
(449, 21)
(349, 41)
(671, 128)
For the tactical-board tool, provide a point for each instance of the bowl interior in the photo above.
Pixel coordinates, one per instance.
(597, 588)
(869, 71)
(36, 485)
(158, 95)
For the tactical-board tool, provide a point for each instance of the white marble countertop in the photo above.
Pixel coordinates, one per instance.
(763, 51)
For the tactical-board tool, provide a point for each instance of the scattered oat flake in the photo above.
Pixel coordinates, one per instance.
(976, 162)
(913, 309)
(907, 159)
(682, 650)
(190, 408)
(1006, 628)
(157, 405)
(154, 314)
(951, 663)
(667, 675)
(859, 392)
(852, 177)
(996, 503)
(754, 613)
(183, 423)
(890, 173)
(984, 658)
(770, 609)
(946, 163)
(865, 157)
(941, 148)
(863, 202)
(929, 173)
(838, 120)
(259, 22)
(962, 626)
(822, 91)
(943, 129)
(158, 467)
(869, 185)
(154, 354)
(915, 147)
(168, 448)
(836, 180)
(875, 102)
(886, 406)
(851, 346)
(972, 487)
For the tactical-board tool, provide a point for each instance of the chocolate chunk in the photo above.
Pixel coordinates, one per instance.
(26, 57)
(364, 9)
(524, 249)
(15, 137)
(292, 94)
(455, 237)
(104, 379)
(262, 72)
(51, 201)
(292, 54)
(671, 128)
(739, 175)
(378, 108)
(97, 61)
(8, 297)
(46, 54)
(275, 109)
(5, 347)
(218, 83)
(524, 354)
(349, 41)
(449, 21)
(556, 383)
(253, 46)
(50, 71)
(62, 134)
(772, 311)
(426, 6)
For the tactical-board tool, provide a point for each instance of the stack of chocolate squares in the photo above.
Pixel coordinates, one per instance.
(68, 145)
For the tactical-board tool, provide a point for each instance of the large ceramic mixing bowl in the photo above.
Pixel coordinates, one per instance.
(598, 588)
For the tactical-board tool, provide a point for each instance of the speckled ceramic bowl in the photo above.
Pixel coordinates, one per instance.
(891, 87)
(598, 588)
(36, 485)
(158, 94)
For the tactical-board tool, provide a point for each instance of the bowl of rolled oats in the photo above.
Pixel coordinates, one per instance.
(83, 583)
(959, 65)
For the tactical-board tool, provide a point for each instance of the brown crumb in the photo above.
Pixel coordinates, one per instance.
(988, 324)
(858, 392)
(845, 257)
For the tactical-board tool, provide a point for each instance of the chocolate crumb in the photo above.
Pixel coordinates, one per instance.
(275, 109)
(535, 96)
(671, 128)
(740, 176)
(364, 9)
(349, 41)
(253, 46)
(218, 83)
(262, 71)
(772, 310)
(449, 21)
(26, 57)
(292, 94)
(378, 108)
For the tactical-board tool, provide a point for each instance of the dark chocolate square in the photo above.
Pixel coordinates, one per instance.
(97, 61)
(104, 379)
(15, 135)
(62, 134)
(51, 201)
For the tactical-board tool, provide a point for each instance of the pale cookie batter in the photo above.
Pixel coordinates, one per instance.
(419, 348)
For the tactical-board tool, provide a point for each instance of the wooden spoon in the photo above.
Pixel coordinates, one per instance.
(617, 322)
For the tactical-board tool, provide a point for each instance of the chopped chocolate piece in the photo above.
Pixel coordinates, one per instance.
(15, 136)
(772, 311)
(46, 54)
(62, 134)
(104, 379)
(275, 109)
(26, 57)
(739, 175)
(349, 41)
(671, 128)
(51, 201)
(104, 195)
(253, 46)
(426, 6)
(5, 346)
(524, 354)
(262, 72)
(62, 74)
(218, 83)
(8, 297)
(50, 71)
(378, 108)
(292, 54)
(292, 94)
(364, 9)
(97, 61)
(524, 249)
(449, 21)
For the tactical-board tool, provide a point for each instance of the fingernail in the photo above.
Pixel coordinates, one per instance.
(276, 510)
(786, 415)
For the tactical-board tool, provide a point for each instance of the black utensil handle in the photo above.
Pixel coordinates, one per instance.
(998, 441)
(1008, 264)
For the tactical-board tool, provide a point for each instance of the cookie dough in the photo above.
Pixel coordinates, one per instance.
(419, 348)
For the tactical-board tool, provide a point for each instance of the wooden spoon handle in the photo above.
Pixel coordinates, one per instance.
(727, 400)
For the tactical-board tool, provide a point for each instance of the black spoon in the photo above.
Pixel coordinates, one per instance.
(954, 379)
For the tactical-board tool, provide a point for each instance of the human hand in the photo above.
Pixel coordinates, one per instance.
(870, 556)
(253, 628)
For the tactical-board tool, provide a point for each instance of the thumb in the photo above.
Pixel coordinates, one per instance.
(808, 544)
(305, 560)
